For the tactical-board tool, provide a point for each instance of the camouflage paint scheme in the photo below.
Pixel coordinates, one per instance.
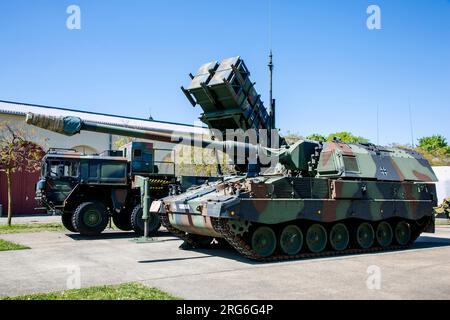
(404, 189)
(321, 185)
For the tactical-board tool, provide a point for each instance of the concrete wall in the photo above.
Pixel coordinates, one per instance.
(443, 186)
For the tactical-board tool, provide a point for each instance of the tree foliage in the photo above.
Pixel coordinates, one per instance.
(436, 149)
(317, 137)
(434, 143)
(347, 137)
(17, 154)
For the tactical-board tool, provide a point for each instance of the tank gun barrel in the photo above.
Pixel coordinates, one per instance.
(70, 126)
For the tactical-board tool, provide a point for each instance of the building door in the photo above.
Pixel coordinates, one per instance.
(23, 192)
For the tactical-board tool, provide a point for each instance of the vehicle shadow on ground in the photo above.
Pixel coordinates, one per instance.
(161, 236)
(426, 242)
(226, 252)
(230, 254)
(215, 250)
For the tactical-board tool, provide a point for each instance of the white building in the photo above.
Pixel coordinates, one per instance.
(443, 186)
(86, 142)
(14, 113)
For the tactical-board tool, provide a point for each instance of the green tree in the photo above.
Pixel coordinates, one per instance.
(17, 154)
(347, 137)
(433, 143)
(433, 148)
(317, 137)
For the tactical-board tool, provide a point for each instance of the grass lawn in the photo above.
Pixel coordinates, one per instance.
(127, 291)
(31, 227)
(7, 246)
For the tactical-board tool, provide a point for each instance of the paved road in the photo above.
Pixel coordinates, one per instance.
(31, 219)
(422, 272)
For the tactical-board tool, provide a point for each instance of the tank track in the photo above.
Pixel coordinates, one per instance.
(164, 217)
(241, 246)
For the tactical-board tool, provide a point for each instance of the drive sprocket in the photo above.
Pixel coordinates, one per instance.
(239, 227)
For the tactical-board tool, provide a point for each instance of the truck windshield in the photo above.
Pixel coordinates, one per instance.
(62, 168)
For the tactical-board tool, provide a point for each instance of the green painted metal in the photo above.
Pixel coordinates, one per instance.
(264, 241)
(385, 234)
(291, 240)
(365, 235)
(339, 237)
(316, 238)
(403, 233)
(92, 217)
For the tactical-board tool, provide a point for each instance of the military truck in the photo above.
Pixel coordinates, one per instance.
(89, 189)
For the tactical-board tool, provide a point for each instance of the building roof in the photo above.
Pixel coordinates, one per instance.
(21, 109)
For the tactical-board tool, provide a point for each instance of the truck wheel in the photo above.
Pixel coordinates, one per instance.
(122, 220)
(90, 218)
(138, 224)
(66, 219)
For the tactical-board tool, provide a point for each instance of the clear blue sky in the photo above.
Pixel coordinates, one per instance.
(331, 72)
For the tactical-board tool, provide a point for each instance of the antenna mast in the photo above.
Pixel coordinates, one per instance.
(272, 101)
(411, 125)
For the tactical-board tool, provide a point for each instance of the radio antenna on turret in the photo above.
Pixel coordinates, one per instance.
(378, 124)
(411, 126)
(271, 100)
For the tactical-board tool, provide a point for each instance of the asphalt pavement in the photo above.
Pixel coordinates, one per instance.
(58, 261)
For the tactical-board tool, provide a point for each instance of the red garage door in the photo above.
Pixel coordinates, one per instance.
(23, 188)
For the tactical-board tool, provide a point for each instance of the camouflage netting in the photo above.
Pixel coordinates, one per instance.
(61, 125)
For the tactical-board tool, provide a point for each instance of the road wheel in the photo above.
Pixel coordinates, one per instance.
(264, 241)
(66, 219)
(122, 220)
(138, 224)
(316, 238)
(384, 234)
(90, 218)
(365, 235)
(339, 237)
(291, 240)
(403, 233)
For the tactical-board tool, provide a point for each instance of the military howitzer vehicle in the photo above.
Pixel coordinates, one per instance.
(330, 198)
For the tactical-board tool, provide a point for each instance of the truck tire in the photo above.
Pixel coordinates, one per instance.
(90, 218)
(122, 220)
(138, 224)
(66, 219)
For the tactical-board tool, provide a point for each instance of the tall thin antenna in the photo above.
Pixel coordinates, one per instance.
(378, 124)
(272, 101)
(270, 24)
(411, 125)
